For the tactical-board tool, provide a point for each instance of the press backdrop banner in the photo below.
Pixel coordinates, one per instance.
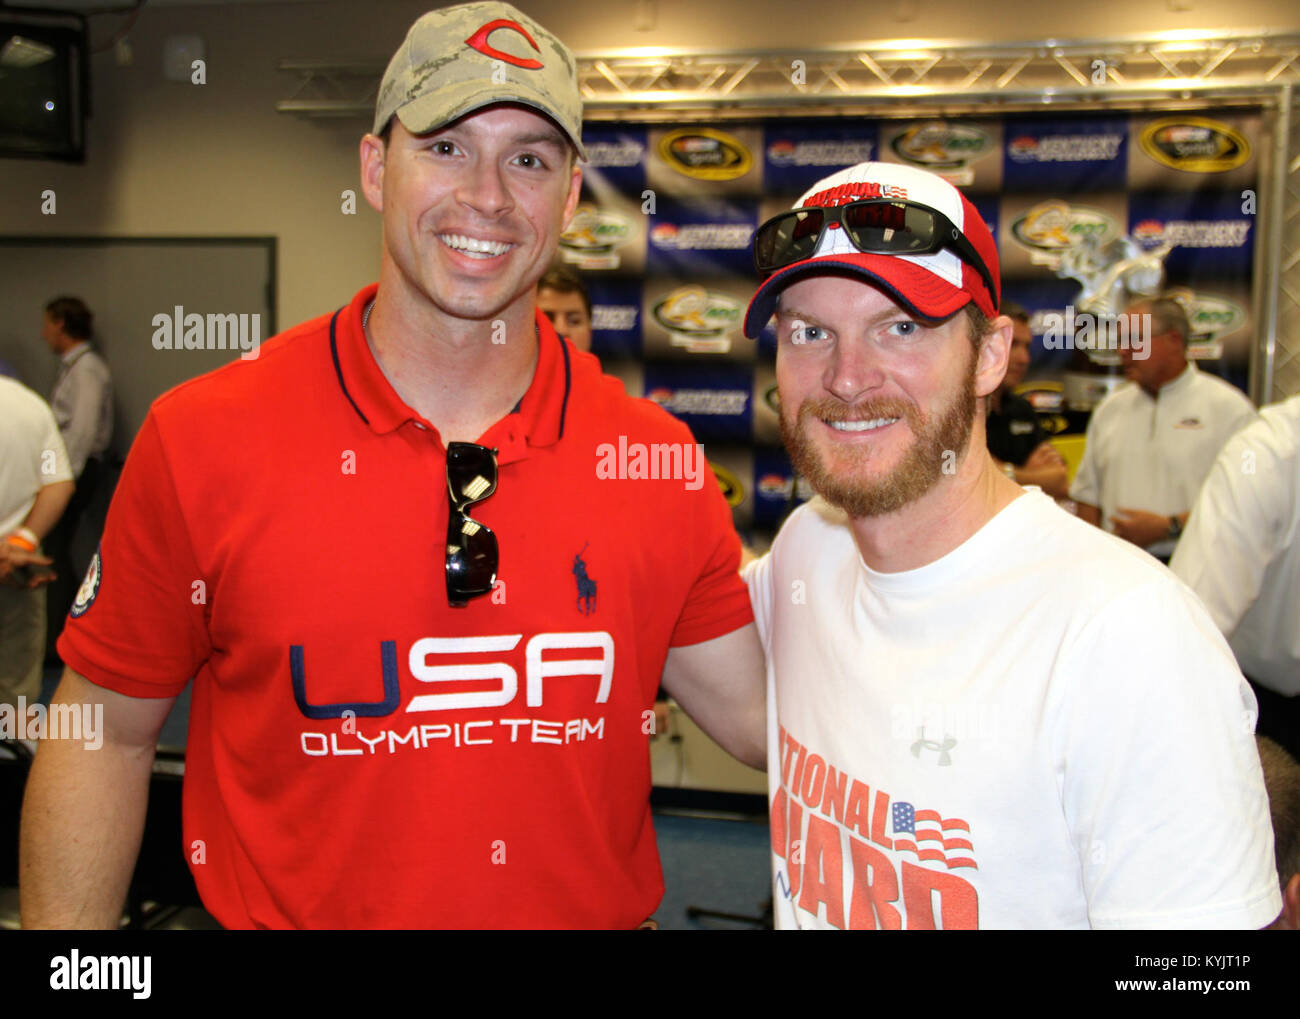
(662, 238)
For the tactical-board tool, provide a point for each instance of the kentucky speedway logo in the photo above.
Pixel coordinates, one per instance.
(702, 236)
(1195, 144)
(705, 154)
(698, 319)
(1192, 233)
(624, 152)
(1052, 226)
(826, 152)
(942, 146)
(592, 237)
(1065, 148)
(778, 486)
(712, 402)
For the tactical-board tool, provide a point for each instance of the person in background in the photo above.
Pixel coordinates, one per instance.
(1017, 440)
(564, 299)
(1241, 555)
(1151, 443)
(35, 486)
(82, 401)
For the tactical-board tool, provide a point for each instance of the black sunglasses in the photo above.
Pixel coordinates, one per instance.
(882, 226)
(471, 547)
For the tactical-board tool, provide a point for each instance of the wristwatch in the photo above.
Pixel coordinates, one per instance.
(1175, 528)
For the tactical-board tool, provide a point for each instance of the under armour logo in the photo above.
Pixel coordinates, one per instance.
(479, 41)
(922, 743)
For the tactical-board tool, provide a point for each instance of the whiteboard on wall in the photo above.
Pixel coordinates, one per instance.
(126, 282)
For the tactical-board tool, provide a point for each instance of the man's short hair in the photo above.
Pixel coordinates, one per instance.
(980, 324)
(564, 280)
(1282, 782)
(72, 313)
(1014, 311)
(1167, 315)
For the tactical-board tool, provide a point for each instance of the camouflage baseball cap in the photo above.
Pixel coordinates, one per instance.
(460, 59)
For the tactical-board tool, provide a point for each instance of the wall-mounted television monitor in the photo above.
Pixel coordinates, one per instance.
(43, 84)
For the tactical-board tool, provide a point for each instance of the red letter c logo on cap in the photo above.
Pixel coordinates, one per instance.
(479, 41)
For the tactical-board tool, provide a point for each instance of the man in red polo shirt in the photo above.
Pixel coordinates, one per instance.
(425, 564)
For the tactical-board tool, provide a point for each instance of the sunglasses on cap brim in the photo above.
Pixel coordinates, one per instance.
(875, 226)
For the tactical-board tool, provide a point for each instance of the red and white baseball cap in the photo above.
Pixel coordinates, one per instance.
(932, 286)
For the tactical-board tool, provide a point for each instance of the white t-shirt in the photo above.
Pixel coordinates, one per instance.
(1042, 729)
(1153, 454)
(31, 452)
(1241, 550)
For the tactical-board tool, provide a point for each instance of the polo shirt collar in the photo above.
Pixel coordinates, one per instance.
(537, 420)
(1180, 383)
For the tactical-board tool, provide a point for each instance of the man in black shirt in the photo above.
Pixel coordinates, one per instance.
(1015, 438)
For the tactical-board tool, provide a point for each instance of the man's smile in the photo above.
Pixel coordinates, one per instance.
(475, 247)
(861, 426)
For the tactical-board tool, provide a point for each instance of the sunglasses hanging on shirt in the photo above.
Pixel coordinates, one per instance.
(472, 556)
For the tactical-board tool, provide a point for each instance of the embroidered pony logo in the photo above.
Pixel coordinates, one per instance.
(586, 586)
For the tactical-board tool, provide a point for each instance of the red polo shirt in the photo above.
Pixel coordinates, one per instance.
(360, 754)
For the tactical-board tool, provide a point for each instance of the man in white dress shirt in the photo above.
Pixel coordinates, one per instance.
(1241, 554)
(1152, 442)
(82, 401)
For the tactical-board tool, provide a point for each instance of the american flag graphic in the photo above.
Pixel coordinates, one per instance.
(933, 837)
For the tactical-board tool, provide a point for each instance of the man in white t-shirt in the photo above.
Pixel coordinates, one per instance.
(1241, 554)
(982, 711)
(1151, 442)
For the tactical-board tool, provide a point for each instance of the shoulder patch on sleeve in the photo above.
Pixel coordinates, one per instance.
(89, 588)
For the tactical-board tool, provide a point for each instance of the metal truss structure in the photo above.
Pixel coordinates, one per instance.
(928, 78)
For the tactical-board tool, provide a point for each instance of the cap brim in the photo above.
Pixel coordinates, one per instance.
(915, 288)
(436, 109)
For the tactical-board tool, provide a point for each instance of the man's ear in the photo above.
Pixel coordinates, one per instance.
(373, 154)
(994, 354)
(575, 192)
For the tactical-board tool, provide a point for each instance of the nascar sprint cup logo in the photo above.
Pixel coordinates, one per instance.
(732, 490)
(1049, 228)
(697, 319)
(705, 154)
(1195, 144)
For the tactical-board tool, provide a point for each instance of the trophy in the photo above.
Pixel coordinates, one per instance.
(1111, 273)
